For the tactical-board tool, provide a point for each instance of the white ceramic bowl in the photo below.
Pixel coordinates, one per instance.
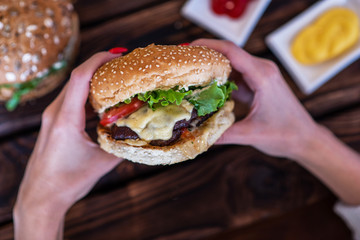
(235, 30)
(309, 78)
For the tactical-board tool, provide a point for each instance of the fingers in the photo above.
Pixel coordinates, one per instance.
(240, 59)
(243, 94)
(47, 120)
(78, 87)
(238, 133)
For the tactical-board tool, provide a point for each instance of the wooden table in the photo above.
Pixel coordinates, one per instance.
(228, 192)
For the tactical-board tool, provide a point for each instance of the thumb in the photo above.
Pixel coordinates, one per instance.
(238, 133)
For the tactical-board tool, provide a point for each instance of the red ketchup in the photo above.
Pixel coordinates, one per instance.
(232, 8)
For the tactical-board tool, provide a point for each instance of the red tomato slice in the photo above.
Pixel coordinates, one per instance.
(124, 110)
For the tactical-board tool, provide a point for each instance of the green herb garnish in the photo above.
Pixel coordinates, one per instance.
(21, 89)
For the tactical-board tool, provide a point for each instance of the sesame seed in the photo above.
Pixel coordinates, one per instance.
(31, 28)
(11, 77)
(56, 40)
(26, 57)
(48, 22)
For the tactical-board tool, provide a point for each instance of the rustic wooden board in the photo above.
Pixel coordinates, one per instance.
(313, 222)
(225, 188)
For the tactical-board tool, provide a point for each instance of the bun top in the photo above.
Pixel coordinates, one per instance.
(156, 67)
(34, 34)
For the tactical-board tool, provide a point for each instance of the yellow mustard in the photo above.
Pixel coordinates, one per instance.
(330, 35)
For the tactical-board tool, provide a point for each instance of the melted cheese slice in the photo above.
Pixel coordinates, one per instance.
(158, 124)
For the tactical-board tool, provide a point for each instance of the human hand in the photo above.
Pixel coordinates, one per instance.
(65, 163)
(277, 123)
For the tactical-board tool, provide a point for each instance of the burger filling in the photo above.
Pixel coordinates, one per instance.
(19, 89)
(168, 114)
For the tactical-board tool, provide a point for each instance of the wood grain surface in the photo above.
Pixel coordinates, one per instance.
(226, 188)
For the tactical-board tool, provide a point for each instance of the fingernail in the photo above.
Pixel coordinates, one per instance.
(117, 50)
(184, 44)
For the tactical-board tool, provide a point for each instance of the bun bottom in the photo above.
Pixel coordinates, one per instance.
(52, 81)
(201, 140)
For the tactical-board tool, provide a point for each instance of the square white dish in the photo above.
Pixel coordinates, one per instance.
(310, 78)
(235, 30)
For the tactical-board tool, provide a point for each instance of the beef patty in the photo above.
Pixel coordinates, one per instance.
(122, 133)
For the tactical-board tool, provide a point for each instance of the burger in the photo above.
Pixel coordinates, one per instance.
(37, 45)
(162, 104)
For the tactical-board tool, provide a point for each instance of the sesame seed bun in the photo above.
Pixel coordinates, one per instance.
(156, 67)
(36, 35)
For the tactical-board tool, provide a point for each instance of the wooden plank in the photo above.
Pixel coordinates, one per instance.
(232, 186)
(317, 221)
(136, 30)
(91, 12)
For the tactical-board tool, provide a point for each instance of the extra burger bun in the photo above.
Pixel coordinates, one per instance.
(156, 67)
(161, 67)
(36, 35)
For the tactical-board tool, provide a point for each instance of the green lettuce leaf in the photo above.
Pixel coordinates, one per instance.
(212, 98)
(21, 89)
(205, 101)
(163, 97)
